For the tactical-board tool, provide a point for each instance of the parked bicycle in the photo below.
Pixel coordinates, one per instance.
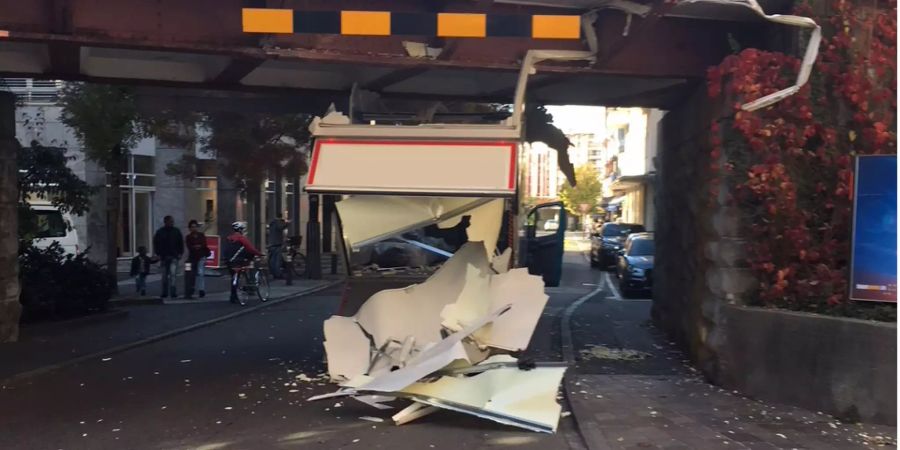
(252, 282)
(294, 259)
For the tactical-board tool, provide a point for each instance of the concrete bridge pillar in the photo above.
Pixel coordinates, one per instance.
(700, 264)
(10, 308)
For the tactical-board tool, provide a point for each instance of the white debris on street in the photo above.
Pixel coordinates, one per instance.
(445, 344)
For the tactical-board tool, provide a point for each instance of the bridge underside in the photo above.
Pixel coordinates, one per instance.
(200, 44)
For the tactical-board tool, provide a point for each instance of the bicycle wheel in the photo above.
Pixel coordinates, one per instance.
(262, 286)
(299, 264)
(236, 282)
(245, 288)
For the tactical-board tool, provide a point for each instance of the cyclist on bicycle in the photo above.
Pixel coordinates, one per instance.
(237, 252)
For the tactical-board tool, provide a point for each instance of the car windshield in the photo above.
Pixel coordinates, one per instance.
(620, 230)
(641, 247)
(50, 224)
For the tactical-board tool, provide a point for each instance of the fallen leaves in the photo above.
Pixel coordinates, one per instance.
(620, 354)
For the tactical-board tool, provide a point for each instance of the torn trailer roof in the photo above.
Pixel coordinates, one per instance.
(447, 343)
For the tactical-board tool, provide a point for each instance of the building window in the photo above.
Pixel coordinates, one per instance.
(136, 205)
(621, 133)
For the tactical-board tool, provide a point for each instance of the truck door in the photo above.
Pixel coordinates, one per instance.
(541, 249)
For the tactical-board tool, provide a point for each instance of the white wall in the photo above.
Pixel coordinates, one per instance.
(654, 117)
(632, 160)
(42, 124)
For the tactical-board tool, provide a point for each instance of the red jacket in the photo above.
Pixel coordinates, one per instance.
(241, 239)
(196, 246)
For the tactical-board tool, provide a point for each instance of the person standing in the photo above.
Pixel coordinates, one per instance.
(276, 242)
(195, 270)
(168, 244)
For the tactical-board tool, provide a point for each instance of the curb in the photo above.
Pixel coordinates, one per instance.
(165, 335)
(568, 352)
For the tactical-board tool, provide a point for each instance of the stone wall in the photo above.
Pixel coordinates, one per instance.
(684, 306)
(844, 367)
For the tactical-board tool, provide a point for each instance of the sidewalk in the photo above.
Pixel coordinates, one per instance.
(632, 389)
(47, 344)
(215, 283)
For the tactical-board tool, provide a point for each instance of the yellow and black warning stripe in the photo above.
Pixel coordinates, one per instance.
(383, 23)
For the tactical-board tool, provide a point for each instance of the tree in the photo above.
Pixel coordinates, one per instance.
(10, 308)
(251, 147)
(586, 192)
(106, 121)
(255, 146)
(43, 174)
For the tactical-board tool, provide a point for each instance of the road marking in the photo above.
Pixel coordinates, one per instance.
(566, 324)
(607, 278)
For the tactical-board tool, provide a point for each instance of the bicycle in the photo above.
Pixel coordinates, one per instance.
(294, 259)
(251, 281)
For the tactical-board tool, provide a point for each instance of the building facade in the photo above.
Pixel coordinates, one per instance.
(619, 142)
(541, 172)
(149, 191)
(629, 171)
(584, 127)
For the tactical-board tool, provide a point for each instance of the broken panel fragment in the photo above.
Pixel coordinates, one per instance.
(427, 343)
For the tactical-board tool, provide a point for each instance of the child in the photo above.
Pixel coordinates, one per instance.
(140, 268)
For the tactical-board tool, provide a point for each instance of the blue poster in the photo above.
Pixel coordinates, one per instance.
(873, 269)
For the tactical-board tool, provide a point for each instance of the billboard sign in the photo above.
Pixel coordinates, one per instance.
(873, 267)
(212, 261)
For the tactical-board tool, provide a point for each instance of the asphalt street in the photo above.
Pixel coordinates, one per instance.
(243, 383)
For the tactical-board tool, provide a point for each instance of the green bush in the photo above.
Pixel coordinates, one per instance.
(56, 285)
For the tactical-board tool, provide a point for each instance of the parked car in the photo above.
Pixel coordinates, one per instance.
(54, 226)
(551, 225)
(635, 265)
(631, 237)
(606, 243)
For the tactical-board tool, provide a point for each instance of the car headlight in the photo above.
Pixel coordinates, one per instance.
(636, 270)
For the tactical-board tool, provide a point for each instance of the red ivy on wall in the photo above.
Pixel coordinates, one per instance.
(788, 167)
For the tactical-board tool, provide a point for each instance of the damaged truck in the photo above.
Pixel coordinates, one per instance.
(446, 268)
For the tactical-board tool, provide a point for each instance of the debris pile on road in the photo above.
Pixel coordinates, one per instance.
(447, 343)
